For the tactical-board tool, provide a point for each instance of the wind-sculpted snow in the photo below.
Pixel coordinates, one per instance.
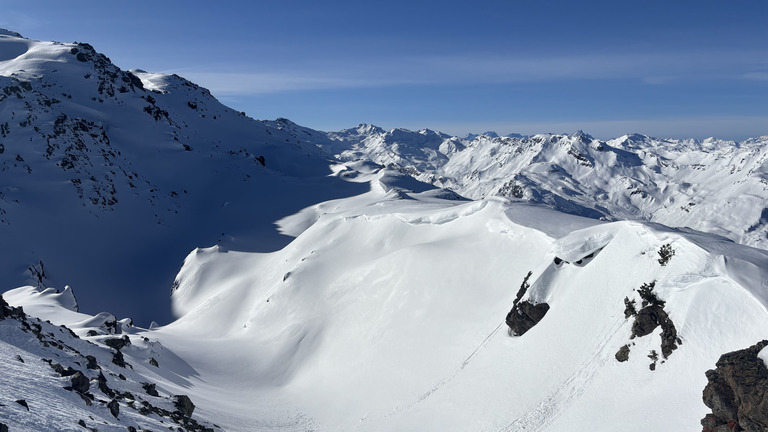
(407, 296)
(714, 186)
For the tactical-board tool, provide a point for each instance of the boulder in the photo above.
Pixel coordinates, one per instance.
(183, 405)
(114, 408)
(80, 383)
(524, 315)
(737, 392)
(117, 343)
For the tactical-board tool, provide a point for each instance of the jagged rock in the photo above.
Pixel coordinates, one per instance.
(3, 428)
(153, 362)
(102, 382)
(92, 364)
(80, 382)
(737, 392)
(524, 316)
(18, 357)
(623, 354)
(59, 369)
(629, 308)
(7, 310)
(118, 359)
(646, 320)
(23, 403)
(114, 408)
(183, 405)
(81, 423)
(117, 343)
(652, 315)
(150, 389)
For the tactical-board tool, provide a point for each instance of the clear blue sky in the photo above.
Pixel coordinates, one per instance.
(678, 68)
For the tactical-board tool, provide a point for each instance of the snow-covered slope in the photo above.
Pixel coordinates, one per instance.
(387, 313)
(712, 185)
(109, 177)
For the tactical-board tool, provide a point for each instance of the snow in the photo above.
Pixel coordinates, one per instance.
(337, 287)
(715, 186)
(385, 311)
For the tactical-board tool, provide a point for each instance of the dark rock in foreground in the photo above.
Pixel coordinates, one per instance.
(737, 392)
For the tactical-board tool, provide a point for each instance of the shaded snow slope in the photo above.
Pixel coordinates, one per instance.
(109, 177)
(712, 185)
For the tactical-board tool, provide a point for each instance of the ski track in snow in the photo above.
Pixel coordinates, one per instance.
(552, 406)
(445, 380)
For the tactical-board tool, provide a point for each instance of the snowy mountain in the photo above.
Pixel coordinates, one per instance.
(714, 186)
(363, 279)
(109, 177)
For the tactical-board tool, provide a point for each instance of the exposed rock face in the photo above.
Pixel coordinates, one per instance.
(524, 316)
(114, 408)
(623, 354)
(150, 389)
(646, 320)
(737, 392)
(183, 405)
(117, 343)
(80, 382)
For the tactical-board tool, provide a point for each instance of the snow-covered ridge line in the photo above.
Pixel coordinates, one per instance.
(710, 185)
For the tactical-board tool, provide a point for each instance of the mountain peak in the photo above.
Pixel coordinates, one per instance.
(6, 32)
(366, 128)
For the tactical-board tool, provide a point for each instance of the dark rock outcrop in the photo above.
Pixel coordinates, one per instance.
(647, 319)
(737, 392)
(114, 408)
(524, 314)
(92, 363)
(118, 343)
(623, 354)
(150, 389)
(80, 382)
(102, 382)
(183, 405)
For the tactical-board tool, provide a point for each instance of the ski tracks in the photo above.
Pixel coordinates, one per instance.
(554, 404)
(447, 379)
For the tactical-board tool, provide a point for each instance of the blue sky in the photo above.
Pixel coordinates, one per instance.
(665, 68)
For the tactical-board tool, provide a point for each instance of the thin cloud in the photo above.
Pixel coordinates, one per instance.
(652, 69)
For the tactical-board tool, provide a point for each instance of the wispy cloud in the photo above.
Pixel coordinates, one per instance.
(756, 76)
(652, 69)
(19, 21)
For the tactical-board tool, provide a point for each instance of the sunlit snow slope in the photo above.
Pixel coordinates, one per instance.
(387, 313)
